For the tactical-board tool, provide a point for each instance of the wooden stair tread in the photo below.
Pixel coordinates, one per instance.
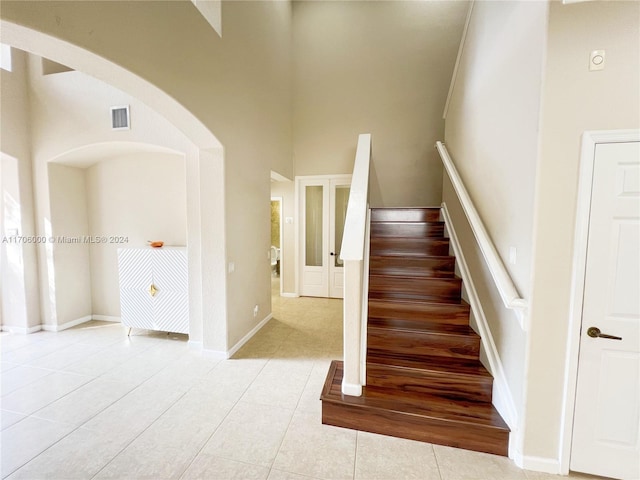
(399, 302)
(431, 266)
(405, 214)
(449, 366)
(424, 326)
(418, 405)
(409, 247)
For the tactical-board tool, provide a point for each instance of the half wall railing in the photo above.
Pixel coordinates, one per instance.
(355, 255)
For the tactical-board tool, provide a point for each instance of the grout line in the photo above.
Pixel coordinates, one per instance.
(435, 456)
(204, 444)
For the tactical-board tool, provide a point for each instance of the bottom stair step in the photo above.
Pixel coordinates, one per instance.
(427, 418)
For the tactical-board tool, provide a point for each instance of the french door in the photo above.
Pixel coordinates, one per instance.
(322, 207)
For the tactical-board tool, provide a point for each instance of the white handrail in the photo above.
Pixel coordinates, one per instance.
(354, 224)
(354, 244)
(508, 291)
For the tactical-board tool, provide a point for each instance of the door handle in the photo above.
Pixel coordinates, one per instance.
(332, 254)
(594, 332)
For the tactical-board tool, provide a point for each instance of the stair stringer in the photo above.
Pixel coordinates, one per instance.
(502, 397)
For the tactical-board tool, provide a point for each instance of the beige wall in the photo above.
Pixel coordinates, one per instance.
(71, 261)
(70, 122)
(119, 204)
(238, 86)
(508, 337)
(574, 100)
(20, 306)
(381, 68)
(491, 133)
(492, 122)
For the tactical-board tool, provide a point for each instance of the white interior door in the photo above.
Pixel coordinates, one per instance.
(607, 409)
(339, 198)
(322, 209)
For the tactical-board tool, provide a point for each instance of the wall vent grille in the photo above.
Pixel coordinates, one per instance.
(120, 118)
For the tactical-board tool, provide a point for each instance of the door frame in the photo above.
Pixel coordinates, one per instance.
(298, 217)
(583, 207)
(281, 226)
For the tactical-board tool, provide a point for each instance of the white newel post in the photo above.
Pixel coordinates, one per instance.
(353, 254)
(352, 327)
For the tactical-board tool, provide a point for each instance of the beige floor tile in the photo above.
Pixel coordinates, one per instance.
(167, 447)
(209, 467)
(134, 412)
(82, 404)
(26, 439)
(310, 448)
(382, 458)
(572, 475)
(142, 367)
(6, 366)
(280, 383)
(108, 358)
(62, 357)
(251, 433)
(9, 418)
(42, 392)
(281, 475)
(310, 398)
(458, 464)
(230, 379)
(19, 377)
(35, 350)
(79, 455)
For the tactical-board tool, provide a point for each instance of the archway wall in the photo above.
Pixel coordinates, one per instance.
(237, 86)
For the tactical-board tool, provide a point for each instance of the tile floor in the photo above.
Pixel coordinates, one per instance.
(89, 402)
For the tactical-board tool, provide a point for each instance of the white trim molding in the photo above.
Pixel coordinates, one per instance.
(64, 326)
(454, 76)
(507, 289)
(502, 397)
(219, 354)
(21, 330)
(587, 158)
(289, 295)
(106, 318)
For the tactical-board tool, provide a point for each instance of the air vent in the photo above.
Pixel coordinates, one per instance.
(120, 118)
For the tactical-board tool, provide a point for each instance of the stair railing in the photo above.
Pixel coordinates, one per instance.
(508, 291)
(354, 254)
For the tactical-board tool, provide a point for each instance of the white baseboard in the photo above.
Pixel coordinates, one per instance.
(353, 389)
(541, 464)
(21, 330)
(106, 318)
(502, 397)
(221, 355)
(248, 336)
(215, 354)
(289, 295)
(64, 326)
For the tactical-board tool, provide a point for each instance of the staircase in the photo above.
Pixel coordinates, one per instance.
(424, 378)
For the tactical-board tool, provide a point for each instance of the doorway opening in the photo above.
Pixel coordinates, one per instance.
(276, 246)
(322, 206)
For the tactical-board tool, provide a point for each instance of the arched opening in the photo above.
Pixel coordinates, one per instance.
(204, 184)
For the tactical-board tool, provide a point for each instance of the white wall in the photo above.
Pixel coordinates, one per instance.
(18, 272)
(381, 68)
(141, 197)
(71, 261)
(574, 100)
